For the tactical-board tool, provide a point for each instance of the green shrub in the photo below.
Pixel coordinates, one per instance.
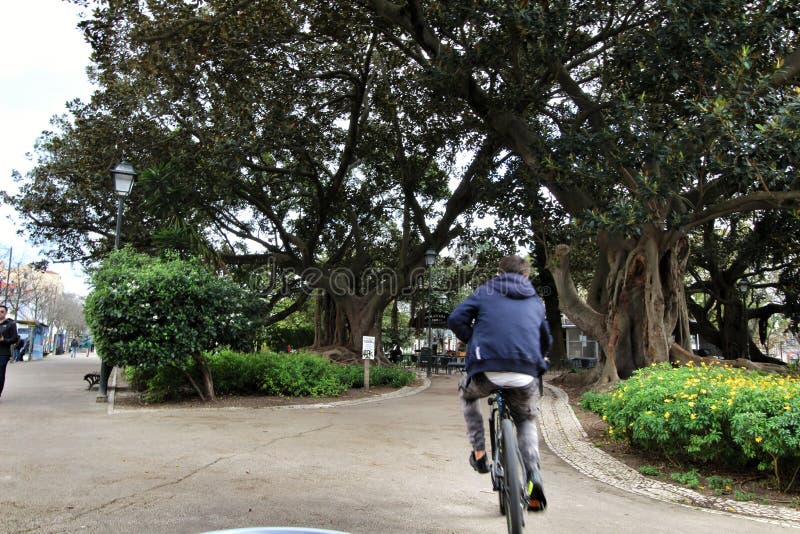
(161, 312)
(390, 376)
(164, 382)
(690, 478)
(719, 484)
(744, 495)
(237, 373)
(353, 375)
(706, 413)
(298, 374)
(301, 374)
(137, 376)
(650, 471)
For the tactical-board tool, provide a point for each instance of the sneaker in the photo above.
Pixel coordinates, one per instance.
(535, 492)
(478, 465)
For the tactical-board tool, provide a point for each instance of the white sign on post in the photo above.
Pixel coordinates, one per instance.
(368, 348)
(367, 354)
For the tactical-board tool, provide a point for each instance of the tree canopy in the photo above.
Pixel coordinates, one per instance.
(327, 136)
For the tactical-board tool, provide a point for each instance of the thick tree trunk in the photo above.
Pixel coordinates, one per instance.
(643, 299)
(395, 326)
(319, 319)
(345, 319)
(733, 336)
(364, 314)
(325, 329)
(205, 375)
(547, 290)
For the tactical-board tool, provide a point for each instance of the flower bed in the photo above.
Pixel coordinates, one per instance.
(708, 414)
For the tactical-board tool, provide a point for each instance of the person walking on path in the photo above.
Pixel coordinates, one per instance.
(8, 338)
(503, 324)
(73, 348)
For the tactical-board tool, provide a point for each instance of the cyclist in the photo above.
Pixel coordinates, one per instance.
(503, 323)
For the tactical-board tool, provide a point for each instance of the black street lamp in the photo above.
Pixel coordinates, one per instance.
(123, 175)
(430, 260)
(123, 183)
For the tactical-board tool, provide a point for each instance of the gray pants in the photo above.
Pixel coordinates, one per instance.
(522, 403)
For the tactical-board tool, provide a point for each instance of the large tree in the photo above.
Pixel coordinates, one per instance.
(643, 119)
(290, 140)
(746, 272)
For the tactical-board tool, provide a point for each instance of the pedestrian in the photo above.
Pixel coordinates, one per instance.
(503, 324)
(396, 353)
(73, 348)
(21, 349)
(91, 349)
(8, 338)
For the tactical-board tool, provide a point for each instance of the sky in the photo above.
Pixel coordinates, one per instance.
(43, 66)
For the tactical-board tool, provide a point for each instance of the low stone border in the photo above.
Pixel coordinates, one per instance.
(566, 438)
(402, 392)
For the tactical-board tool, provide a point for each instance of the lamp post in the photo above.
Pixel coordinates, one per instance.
(123, 175)
(442, 301)
(743, 288)
(430, 260)
(123, 183)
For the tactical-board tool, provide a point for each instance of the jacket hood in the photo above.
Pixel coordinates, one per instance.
(511, 285)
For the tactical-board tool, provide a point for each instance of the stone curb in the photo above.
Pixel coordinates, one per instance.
(402, 392)
(566, 438)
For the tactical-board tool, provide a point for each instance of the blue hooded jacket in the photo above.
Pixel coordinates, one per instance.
(503, 323)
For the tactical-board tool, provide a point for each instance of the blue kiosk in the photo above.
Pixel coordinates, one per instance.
(33, 334)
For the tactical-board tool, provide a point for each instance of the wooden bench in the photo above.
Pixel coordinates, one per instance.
(92, 379)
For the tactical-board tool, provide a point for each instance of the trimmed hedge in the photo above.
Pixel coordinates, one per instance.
(299, 374)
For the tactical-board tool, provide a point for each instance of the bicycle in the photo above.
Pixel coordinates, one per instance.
(509, 476)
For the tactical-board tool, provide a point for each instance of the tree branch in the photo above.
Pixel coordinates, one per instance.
(759, 200)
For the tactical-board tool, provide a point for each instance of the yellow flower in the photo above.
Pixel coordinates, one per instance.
(666, 415)
(759, 439)
(787, 408)
(713, 407)
(667, 400)
(611, 431)
(692, 416)
(604, 418)
(691, 404)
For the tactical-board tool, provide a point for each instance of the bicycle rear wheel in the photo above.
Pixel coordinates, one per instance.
(513, 472)
(497, 467)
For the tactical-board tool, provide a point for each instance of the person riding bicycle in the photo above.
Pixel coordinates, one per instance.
(503, 323)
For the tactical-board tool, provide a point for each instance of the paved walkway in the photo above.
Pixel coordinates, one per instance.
(393, 465)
